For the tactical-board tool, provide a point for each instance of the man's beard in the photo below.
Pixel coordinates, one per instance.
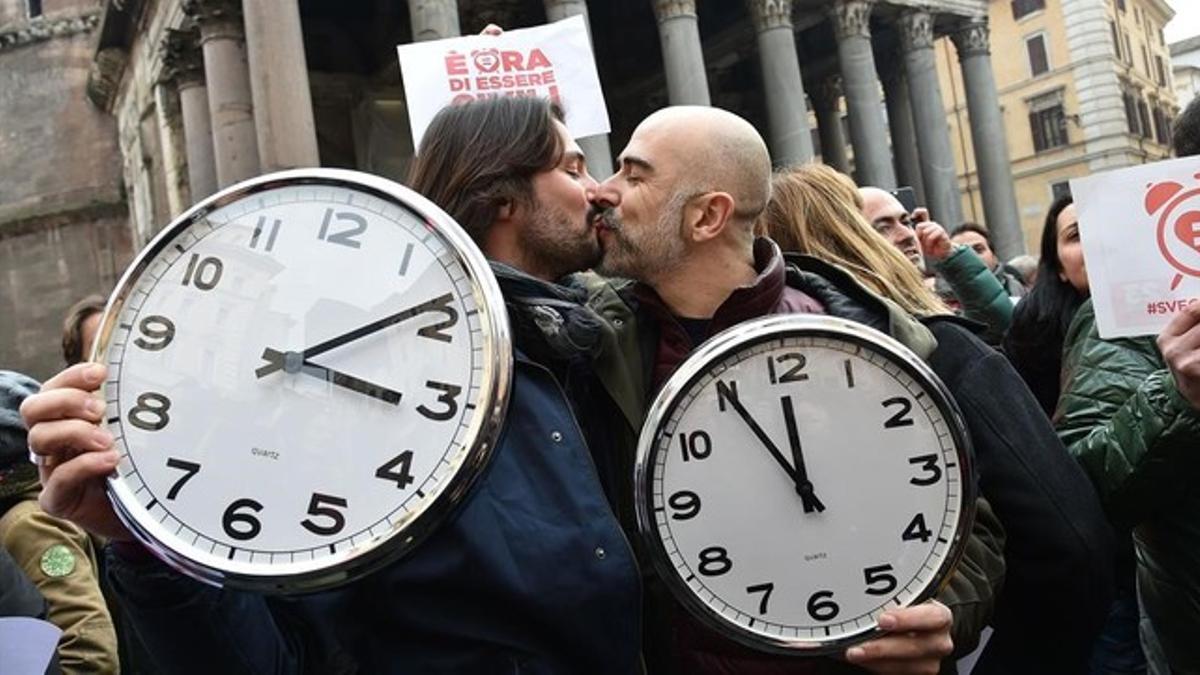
(556, 246)
(648, 256)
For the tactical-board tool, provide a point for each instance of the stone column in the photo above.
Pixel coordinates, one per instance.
(183, 64)
(860, 84)
(929, 116)
(825, 97)
(433, 19)
(597, 149)
(987, 135)
(230, 103)
(790, 140)
(683, 59)
(900, 124)
(283, 111)
(174, 159)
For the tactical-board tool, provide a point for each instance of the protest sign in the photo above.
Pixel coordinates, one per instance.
(1140, 229)
(553, 61)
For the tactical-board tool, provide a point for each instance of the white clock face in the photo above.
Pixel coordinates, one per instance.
(295, 377)
(800, 486)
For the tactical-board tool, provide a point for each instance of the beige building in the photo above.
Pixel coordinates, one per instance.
(1084, 86)
(1185, 66)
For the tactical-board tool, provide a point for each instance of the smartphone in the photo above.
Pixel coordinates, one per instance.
(907, 198)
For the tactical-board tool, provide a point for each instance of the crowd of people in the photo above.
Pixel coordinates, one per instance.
(1084, 556)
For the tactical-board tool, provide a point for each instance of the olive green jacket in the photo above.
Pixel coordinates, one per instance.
(59, 558)
(1138, 439)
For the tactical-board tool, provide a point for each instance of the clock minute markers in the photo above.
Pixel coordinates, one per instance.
(293, 362)
(804, 486)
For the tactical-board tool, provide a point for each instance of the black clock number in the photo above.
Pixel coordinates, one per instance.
(248, 525)
(437, 331)
(203, 273)
(325, 506)
(900, 419)
(793, 373)
(696, 445)
(929, 463)
(258, 230)
(686, 505)
(878, 581)
(150, 413)
(345, 237)
(765, 589)
(714, 561)
(157, 332)
(917, 529)
(449, 391)
(822, 607)
(398, 469)
(189, 468)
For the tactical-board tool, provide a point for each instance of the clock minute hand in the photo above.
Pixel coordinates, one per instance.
(804, 486)
(293, 362)
(439, 302)
(762, 436)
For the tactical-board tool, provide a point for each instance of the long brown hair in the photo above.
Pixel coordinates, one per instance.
(817, 211)
(480, 156)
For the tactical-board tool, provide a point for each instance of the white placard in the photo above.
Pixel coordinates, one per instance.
(554, 61)
(1140, 229)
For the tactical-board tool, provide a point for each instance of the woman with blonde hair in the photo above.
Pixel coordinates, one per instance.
(817, 210)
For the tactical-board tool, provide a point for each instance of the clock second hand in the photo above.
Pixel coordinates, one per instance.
(804, 486)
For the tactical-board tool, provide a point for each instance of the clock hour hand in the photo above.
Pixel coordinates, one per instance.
(761, 435)
(440, 303)
(804, 486)
(293, 362)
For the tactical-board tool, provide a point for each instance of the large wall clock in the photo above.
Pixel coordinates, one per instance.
(307, 371)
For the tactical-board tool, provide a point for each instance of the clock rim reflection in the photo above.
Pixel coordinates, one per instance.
(482, 435)
(745, 337)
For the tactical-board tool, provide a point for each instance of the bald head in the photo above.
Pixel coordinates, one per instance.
(889, 218)
(713, 149)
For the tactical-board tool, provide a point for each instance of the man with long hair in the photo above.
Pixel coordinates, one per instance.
(532, 573)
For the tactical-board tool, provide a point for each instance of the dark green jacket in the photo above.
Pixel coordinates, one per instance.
(982, 296)
(1122, 418)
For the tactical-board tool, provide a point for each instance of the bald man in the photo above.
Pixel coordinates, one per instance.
(678, 217)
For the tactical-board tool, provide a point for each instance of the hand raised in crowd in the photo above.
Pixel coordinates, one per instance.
(915, 640)
(935, 242)
(1179, 343)
(74, 454)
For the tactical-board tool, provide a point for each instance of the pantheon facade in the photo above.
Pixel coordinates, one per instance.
(209, 92)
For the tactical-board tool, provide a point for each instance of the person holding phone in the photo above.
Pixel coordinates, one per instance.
(980, 296)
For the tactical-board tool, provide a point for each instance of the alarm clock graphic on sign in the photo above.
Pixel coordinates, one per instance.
(307, 371)
(798, 476)
(1178, 226)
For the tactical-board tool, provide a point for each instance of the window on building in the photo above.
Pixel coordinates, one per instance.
(1060, 188)
(1116, 39)
(1021, 8)
(1160, 71)
(1121, 5)
(34, 7)
(1035, 46)
(1131, 114)
(1146, 61)
(1048, 122)
(1128, 49)
(1144, 117)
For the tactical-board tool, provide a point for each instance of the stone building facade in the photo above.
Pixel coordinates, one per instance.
(63, 224)
(1185, 69)
(1086, 88)
(312, 85)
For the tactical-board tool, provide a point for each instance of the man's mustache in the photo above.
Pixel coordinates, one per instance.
(604, 215)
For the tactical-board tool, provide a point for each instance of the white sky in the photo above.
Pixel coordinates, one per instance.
(1186, 22)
